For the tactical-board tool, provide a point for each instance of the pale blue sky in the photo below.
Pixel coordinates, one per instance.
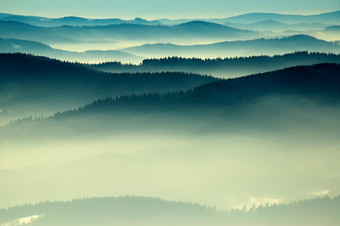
(153, 9)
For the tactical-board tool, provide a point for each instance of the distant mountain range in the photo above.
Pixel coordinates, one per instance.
(237, 48)
(71, 21)
(326, 18)
(251, 21)
(274, 22)
(334, 31)
(273, 25)
(191, 32)
(94, 56)
(136, 54)
(111, 34)
(335, 28)
(323, 18)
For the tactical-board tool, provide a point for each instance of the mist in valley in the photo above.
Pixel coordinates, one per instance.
(238, 144)
(212, 121)
(264, 153)
(289, 153)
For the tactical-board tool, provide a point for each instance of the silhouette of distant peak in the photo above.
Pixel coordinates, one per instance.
(332, 28)
(297, 38)
(16, 23)
(328, 17)
(271, 22)
(199, 23)
(301, 37)
(72, 18)
(140, 19)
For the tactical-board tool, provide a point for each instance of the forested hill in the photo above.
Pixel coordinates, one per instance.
(310, 82)
(284, 98)
(24, 66)
(134, 210)
(227, 67)
(35, 85)
(105, 211)
(28, 76)
(290, 94)
(317, 83)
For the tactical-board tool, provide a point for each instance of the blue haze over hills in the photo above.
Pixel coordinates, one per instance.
(224, 120)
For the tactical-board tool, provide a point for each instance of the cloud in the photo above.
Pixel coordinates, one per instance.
(255, 202)
(321, 193)
(22, 221)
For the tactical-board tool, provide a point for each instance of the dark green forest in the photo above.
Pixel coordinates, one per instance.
(144, 210)
(38, 85)
(222, 67)
(266, 101)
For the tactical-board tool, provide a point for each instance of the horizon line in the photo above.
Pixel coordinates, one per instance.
(169, 18)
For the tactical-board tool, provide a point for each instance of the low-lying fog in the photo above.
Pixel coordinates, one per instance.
(229, 170)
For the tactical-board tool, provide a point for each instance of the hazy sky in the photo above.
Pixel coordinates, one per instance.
(153, 9)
